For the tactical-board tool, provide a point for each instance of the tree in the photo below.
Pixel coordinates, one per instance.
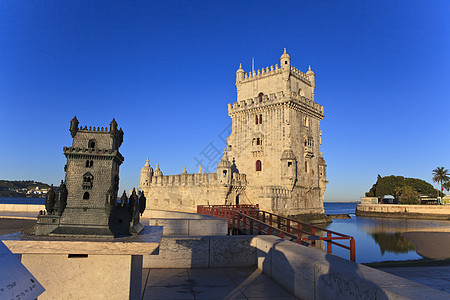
(392, 185)
(441, 176)
(407, 195)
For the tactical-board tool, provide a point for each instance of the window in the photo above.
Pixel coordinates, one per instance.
(260, 119)
(91, 144)
(260, 96)
(89, 164)
(289, 164)
(86, 196)
(258, 141)
(224, 172)
(88, 180)
(306, 166)
(258, 166)
(256, 119)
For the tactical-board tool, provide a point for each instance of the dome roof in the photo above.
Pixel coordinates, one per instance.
(157, 170)
(224, 163)
(285, 55)
(288, 154)
(309, 71)
(147, 167)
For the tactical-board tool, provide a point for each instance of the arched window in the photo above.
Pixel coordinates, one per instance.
(260, 119)
(258, 166)
(86, 196)
(91, 144)
(260, 96)
(258, 141)
(256, 119)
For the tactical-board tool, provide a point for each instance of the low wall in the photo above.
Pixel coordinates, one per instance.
(203, 252)
(307, 273)
(437, 212)
(182, 223)
(35, 208)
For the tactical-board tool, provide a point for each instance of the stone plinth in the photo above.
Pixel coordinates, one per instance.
(86, 268)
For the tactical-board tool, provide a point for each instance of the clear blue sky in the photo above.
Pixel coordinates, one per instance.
(166, 71)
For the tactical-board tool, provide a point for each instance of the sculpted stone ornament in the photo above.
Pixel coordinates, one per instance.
(50, 200)
(142, 203)
(62, 199)
(124, 199)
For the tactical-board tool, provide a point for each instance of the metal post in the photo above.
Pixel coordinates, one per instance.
(329, 244)
(352, 249)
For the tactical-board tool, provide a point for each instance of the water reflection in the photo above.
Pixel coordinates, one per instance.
(393, 242)
(379, 239)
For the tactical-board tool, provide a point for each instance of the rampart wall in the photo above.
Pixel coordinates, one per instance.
(438, 212)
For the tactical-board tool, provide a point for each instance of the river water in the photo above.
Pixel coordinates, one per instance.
(377, 239)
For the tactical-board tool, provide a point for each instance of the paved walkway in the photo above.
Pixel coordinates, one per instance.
(211, 283)
(437, 277)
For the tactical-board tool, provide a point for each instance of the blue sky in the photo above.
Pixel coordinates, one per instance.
(166, 71)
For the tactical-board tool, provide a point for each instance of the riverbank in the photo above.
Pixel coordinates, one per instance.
(430, 212)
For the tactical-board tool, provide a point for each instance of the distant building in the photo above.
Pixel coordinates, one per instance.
(273, 154)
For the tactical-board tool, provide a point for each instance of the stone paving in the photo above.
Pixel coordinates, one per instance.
(437, 277)
(211, 283)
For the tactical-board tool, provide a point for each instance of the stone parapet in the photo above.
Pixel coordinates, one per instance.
(439, 212)
(294, 101)
(305, 272)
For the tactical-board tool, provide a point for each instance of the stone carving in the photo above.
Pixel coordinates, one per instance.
(50, 200)
(142, 203)
(62, 199)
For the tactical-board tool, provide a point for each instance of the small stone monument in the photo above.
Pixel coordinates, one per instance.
(85, 228)
(86, 204)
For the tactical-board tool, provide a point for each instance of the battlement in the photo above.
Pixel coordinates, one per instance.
(270, 71)
(93, 129)
(182, 180)
(273, 99)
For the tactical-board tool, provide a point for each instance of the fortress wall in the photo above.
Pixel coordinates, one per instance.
(184, 196)
(440, 212)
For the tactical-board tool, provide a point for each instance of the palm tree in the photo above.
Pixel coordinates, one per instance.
(441, 176)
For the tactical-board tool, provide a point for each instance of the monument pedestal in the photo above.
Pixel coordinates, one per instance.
(81, 268)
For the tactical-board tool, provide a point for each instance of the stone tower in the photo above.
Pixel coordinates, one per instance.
(276, 139)
(86, 205)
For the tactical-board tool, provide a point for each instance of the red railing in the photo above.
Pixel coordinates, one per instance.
(248, 219)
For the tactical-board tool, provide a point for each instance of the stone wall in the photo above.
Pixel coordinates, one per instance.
(305, 272)
(440, 212)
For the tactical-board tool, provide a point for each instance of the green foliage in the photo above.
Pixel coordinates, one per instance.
(394, 185)
(441, 176)
(407, 195)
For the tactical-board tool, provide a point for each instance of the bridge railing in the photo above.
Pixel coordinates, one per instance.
(250, 220)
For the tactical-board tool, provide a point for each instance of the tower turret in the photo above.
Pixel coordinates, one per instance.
(157, 170)
(239, 74)
(224, 169)
(146, 174)
(285, 61)
(312, 78)
(74, 126)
